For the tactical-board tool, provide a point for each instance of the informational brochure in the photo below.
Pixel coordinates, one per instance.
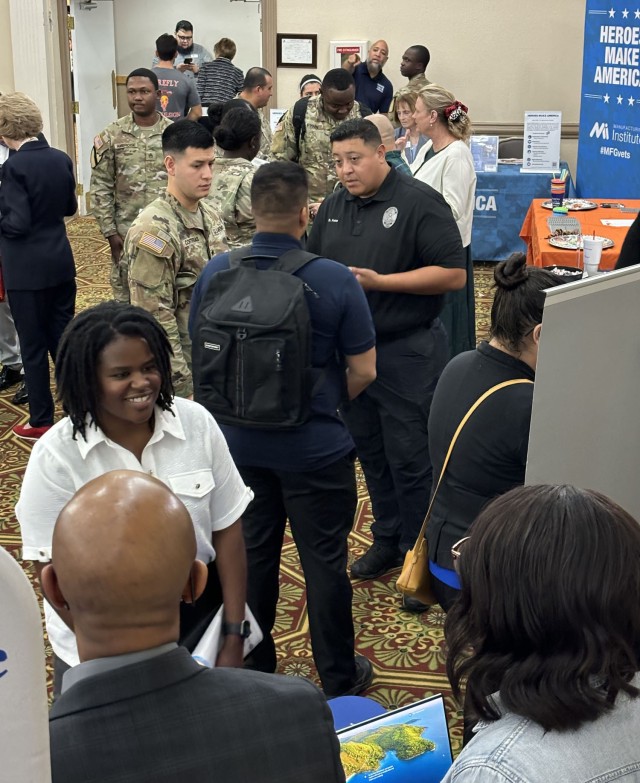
(542, 131)
(484, 150)
(274, 118)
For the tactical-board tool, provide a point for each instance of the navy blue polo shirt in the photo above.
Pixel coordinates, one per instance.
(376, 92)
(406, 225)
(341, 323)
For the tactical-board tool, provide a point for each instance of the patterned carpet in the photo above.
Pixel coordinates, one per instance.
(407, 650)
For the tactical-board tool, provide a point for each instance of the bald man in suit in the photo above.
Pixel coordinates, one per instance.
(138, 707)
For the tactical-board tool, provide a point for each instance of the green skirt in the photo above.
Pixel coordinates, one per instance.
(459, 313)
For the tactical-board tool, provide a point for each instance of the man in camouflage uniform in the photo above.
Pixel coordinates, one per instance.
(127, 170)
(309, 144)
(173, 238)
(414, 64)
(257, 89)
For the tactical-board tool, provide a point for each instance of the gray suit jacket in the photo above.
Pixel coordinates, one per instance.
(169, 720)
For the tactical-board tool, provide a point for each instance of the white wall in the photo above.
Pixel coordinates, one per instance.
(6, 53)
(500, 57)
(139, 22)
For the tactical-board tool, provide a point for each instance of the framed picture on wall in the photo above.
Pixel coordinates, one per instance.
(296, 50)
(340, 51)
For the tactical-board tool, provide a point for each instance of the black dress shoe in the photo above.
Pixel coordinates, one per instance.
(363, 679)
(21, 397)
(377, 560)
(410, 604)
(9, 377)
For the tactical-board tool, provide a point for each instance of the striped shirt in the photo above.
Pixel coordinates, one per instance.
(219, 80)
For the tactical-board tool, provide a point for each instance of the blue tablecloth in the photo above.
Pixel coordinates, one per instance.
(502, 200)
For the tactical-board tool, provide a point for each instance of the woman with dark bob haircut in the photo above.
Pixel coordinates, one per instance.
(546, 638)
(490, 454)
(113, 373)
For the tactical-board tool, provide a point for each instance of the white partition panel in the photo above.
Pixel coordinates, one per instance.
(585, 425)
(24, 728)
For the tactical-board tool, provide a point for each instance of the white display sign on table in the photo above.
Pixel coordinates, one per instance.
(542, 133)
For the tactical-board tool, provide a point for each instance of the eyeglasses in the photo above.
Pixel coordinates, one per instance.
(184, 37)
(456, 550)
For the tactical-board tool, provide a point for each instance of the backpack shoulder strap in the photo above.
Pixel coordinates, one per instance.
(293, 260)
(237, 256)
(299, 113)
(244, 256)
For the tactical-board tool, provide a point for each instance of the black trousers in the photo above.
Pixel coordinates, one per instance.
(388, 422)
(320, 506)
(445, 594)
(40, 318)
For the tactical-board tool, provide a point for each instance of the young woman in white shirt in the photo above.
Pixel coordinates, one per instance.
(113, 379)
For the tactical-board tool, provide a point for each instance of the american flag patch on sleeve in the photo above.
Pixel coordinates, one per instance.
(151, 242)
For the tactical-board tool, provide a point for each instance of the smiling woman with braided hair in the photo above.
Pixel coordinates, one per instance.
(113, 373)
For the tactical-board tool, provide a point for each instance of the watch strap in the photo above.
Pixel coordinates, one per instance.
(242, 629)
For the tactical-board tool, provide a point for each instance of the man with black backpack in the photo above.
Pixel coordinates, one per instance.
(280, 338)
(303, 132)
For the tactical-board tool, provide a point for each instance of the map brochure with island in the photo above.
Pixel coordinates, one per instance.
(408, 744)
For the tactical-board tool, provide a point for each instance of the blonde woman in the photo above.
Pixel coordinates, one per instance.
(409, 140)
(446, 164)
(38, 191)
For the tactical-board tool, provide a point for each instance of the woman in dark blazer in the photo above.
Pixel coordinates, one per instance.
(37, 192)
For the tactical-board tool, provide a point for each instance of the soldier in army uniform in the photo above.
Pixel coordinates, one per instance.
(257, 89)
(308, 144)
(127, 169)
(173, 238)
(414, 64)
(238, 139)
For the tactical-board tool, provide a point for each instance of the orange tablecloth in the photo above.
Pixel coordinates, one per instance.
(534, 232)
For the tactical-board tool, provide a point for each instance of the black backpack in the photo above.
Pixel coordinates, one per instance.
(300, 112)
(252, 343)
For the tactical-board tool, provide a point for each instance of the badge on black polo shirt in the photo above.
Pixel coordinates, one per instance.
(390, 216)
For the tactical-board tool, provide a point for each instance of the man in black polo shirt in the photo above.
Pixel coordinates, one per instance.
(401, 242)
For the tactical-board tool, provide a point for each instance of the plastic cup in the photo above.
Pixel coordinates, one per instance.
(592, 254)
(558, 187)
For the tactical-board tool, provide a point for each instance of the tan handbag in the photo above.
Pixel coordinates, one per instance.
(415, 578)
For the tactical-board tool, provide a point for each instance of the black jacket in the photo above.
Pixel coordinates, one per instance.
(38, 190)
(169, 720)
(630, 251)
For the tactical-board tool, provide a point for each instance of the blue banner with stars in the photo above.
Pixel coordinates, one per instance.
(609, 140)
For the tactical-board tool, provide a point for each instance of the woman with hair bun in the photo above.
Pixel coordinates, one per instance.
(445, 162)
(546, 638)
(238, 136)
(490, 454)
